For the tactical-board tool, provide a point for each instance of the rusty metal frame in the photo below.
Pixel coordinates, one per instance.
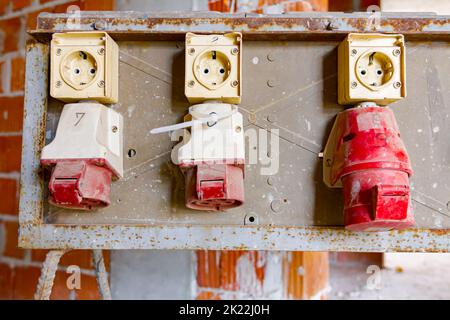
(35, 233)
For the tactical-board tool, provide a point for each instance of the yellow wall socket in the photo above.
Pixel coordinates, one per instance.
(84, 65)
(213, 67)
(371, 68)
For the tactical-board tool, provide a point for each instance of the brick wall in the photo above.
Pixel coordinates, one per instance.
(20, 269)
(261, 275)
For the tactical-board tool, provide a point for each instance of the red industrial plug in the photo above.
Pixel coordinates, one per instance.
(366, 156)
(84, 156)
(80, 184)
(214, 187)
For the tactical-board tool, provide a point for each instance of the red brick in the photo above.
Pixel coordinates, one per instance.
(106, 5)
(6, 282)
(89, 289)
(11, 114)
(82, 4)
(60, 291)
(11, 248)
(31, 19)
(17, 74)
(11, 34)
(80, 258)
(11, 153)
(9, 191)
(3, 6)
(25, 282)
(1, 75)
(362, 258)
(20, 4)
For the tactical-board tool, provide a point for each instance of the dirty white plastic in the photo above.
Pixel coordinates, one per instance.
(200, 119)
(88, 130)
(218, 138)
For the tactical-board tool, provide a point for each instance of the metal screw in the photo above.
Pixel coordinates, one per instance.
(101, 83)
(354, 84)
(58, 52)
(354, 52)
(58, 84)
(191, 83)
(114, 129)
(191, 51)
(396, 52)
(234, 83)
(397, 84)
(272, 83)
(332, 26)
(234, 51)
(238, 129)
(271, 57)
(101, 51)
(252, 118)
(100, 25)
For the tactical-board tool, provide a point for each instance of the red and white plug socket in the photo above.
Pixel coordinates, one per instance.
(85, 156)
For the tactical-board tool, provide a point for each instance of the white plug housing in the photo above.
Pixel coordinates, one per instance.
(88, 130)
(219, 142)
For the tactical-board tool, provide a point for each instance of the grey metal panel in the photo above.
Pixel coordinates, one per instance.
(289, 86)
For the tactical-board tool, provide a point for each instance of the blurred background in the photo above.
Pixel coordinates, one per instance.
(201, 274)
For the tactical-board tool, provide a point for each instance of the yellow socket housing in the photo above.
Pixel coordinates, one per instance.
(213, 67)
(371, 68)
(84, 66)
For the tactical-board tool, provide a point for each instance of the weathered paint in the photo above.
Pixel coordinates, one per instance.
(34, 233)
(36, 89)
(134, 25)
(229, 238)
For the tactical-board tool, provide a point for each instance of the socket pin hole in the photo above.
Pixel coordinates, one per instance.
(131, 153)
(222, 70)
(363, 72)
(76, 71)
(251, 219)
(92, 71)
(206, 71)
(379, 72)
(349, 137)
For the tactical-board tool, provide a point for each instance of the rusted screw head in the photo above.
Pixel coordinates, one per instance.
(58, 84)
(396, 52)
(354, 52)
(271, 118)
(397, 84)
(101, 51)
(101, 83)
(238, 129)
(191, 51)
(114, 129)
(354, 84)
(58, 52)
(234, 51)
(191, 83)
(100, 25)
(234, 83)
